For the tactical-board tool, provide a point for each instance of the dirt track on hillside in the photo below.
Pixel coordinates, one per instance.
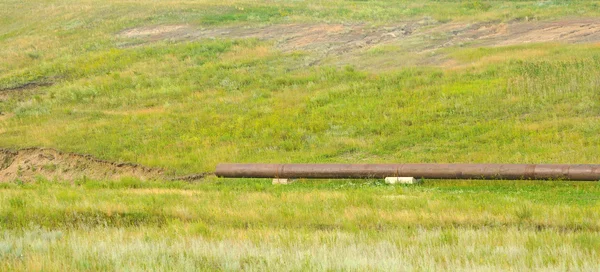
(321, 38)
(339, 39)
(503, 34)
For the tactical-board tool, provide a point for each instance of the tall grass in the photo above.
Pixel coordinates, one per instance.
(316, 225)
(158, 249)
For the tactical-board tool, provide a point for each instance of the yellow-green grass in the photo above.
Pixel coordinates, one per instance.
(36, 31)
(314, 225)
(186, 106)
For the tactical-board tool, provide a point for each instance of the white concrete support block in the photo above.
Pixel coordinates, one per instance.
(282, 181)
(401, 180)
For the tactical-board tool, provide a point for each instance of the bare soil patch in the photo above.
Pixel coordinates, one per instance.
(321, 38)
(338, 39)
(157, 31)
(28, 164)
(503, 34)
(31, 163)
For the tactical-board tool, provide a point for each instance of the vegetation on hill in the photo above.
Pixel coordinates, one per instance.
(184, 85)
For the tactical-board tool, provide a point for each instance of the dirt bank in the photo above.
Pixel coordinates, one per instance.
(31, 163)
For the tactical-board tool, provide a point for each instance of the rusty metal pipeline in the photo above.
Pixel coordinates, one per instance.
(580, 172)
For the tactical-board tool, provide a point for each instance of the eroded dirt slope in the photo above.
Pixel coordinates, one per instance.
(28, 164)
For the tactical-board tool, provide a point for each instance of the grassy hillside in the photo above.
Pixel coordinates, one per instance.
(185, 85)
(187, 105)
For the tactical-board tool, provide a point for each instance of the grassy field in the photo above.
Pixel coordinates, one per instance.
(341, 225)
(71, 80)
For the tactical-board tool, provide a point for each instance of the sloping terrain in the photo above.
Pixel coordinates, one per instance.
(184, 97)
(320, 39)
(28, 164)
(176, 87)
(503, 34)
(31, 163)
(339, 39)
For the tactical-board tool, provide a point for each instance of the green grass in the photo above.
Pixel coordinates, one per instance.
(322, 225)
(188, 105)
